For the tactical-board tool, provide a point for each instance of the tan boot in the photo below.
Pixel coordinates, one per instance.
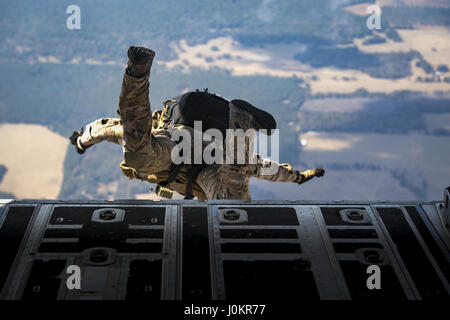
(245, 116)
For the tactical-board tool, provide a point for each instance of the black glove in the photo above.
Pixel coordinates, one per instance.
(307, 175)
(79, 147)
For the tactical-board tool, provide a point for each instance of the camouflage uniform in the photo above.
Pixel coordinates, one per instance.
(147, 152)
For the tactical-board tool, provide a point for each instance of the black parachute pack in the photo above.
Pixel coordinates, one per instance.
(211, 109)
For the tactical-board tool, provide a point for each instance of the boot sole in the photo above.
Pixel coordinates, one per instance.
(263, 119)
(141, 60)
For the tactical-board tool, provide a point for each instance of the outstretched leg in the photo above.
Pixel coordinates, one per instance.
(134, 102)
(244, 115)
(133, 130)
(231, 180)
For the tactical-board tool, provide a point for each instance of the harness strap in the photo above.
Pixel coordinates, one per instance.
(193, 173)
(162, 120)
(175, 169)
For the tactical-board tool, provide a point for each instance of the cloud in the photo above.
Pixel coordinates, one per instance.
(266, 11)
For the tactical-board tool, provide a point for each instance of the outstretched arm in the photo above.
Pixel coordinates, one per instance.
(108, 129)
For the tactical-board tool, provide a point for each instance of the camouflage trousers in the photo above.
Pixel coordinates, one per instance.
(148, 151)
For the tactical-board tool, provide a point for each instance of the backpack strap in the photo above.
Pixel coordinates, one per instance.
(161, 189)
(161, 117)
(192, 175)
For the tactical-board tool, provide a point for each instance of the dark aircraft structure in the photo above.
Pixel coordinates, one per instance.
(220, 250)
